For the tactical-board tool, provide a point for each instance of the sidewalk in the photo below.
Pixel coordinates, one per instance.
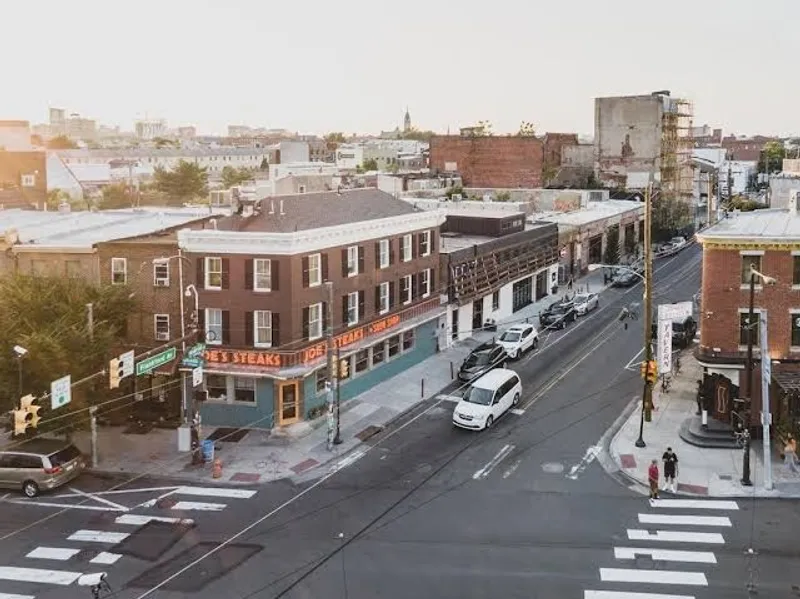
(702, 471)
(301, 451)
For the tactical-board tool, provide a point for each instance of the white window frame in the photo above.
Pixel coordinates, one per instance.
(315, 266)
(28, 180)
(260, 326)
(261, 262)
(163, 280)
(235, 386)
(409, 295)
(208, 272)
(212, 326)
(426, 244)
(162, 319)
(115, 262)
(426, 277)
(408, 250)
(383, 258)
(352, 308)
(352, 261)
(317, 322)
(757, 315)
(384, 297)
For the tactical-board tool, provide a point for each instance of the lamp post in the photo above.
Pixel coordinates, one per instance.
(20, 352)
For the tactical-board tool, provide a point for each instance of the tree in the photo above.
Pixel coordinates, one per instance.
(47, 316)
(61, 142)
(264, 164)
(526, 129)
(592, 182)
(502, 196)
(417, 134)
(184, 183)
(744, 204)
(612, 246)
(335, 137)
(235, 176)
(370, 164)
(549, 173)
(162, 142)
(116, 196)
(56, 197)
(455, 190)
(771, 159)
(670, 215)
(484, 129)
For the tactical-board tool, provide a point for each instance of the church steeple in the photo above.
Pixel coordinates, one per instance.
(407, 121)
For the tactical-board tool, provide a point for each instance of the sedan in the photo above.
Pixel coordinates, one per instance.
(481, 360)
(519, 339)
(585, 303)
(627, 279)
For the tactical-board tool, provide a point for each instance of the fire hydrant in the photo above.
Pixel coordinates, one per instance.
(216, 471)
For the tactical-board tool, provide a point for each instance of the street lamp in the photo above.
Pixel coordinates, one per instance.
(20, 352)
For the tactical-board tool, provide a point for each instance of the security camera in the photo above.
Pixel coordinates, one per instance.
(188, 292)
(92, 580)
(20, 351)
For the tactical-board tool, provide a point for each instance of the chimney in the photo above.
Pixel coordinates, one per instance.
(282, 212)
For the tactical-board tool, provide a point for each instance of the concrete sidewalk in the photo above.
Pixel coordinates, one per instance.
(701, 471)
(301, 451)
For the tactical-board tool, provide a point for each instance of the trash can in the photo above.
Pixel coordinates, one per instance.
(208, 451)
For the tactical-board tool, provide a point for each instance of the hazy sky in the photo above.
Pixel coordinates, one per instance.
(353, 65)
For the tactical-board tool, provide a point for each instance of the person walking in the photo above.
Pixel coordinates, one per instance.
(790, 461)
(569, 283)
(670, 469)
(652, 477)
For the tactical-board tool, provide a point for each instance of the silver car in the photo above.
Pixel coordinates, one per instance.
(586, 302)
(39, 465)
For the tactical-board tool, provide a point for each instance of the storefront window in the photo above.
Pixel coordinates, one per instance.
(217, 387)
(362, 360)
(408, 340)
(322, 378)
(244, 389)
(378, 353)
(394, 346)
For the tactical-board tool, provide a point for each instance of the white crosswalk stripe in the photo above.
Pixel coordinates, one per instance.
(694, 504)
(198, 506)
(624, 595)
(666, 555)
(59, 577)
(676, 536)
(684, 520)
(653, 576)
(14, 596)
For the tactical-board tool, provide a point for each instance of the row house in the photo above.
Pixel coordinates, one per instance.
(265, 306)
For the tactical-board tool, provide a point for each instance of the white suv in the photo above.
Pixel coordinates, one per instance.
(519, 339)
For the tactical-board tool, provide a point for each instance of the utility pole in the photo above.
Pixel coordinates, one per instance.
(647, 392)
(90, 319)
(93, 424)
(746, 482)
(332, 366)
(766, 415)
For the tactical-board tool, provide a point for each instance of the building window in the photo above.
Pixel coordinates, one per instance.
(749, 262)
(73, 268)
(322, 380)
(378, 353)
(383, 258)
(795, 316)
(28, 180)
(244, 389)
(394, 346)
(161, 273)
(314, 270)
(496, 300)
(408, 340)
(315, 320)
(352, 261)
(213, 273)
(425, 243)
(262, 328)
(262, 274)
(362, 360)
(119, 271)
(352, 308)
(407, 249)
(405, 289)
(39, 267)
(795, 270)
(217, 387)
(744, 326)
(213, 326)
(425, 282)
(384, 298)
(161, 326)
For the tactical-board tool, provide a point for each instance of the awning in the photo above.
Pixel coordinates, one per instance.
(787, 377)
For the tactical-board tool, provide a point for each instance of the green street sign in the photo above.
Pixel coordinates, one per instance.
(153, 362)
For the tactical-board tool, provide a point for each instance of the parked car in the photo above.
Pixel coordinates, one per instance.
(558, 315)
(481, 360)
(40, 465)
(585, 303)
(625, 279)
(519, 339)
(487, 399)
(683, 331)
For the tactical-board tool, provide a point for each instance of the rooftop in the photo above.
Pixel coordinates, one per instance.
(455, 242)
(593, 211)
(165, 152)
(767, 224)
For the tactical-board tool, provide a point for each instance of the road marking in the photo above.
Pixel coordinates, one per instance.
(12, 596)
(451, 398)
(61, 577)
(58, 553)
(517, 412)
(139, 520)
(676, 536)
(697, 579)
(216, 492)
(198, 506)
(666, 555)
(633, 364)
(349, 460)
(624, 595)
(118, 492)
(484, 472)
(511, 469)
(94, 508)
(98, 536)
(685, 520)
(106, 558)
(694, 504)
(588, 458)
(121, 508)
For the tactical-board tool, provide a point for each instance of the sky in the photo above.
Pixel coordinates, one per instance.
(355, 65)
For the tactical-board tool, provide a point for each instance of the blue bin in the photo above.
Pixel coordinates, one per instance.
(208, 451)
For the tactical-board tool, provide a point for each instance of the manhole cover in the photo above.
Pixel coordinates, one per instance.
(553, 468)
(152, 540)
(725, 476)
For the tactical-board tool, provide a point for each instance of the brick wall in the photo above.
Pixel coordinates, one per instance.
(13, 165)
(496, 161)
(554, 144)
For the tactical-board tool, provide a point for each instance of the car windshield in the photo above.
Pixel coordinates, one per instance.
(479, 359)
(510, 336)
(581, 299)
(482, 397)
(65, 455)
(558, 310)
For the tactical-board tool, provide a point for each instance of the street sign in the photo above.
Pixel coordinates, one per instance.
(153, 362)
(194, 356)
(197, 376)
(60, 392)
(665, 346)
(126, 364)
(677, 311)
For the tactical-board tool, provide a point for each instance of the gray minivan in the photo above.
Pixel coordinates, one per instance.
(39, 464)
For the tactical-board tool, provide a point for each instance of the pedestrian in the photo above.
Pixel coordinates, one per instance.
(569, 283)
(652, 477)
(790, 461)
(670, 469)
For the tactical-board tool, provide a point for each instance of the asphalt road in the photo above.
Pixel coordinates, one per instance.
(521, 510)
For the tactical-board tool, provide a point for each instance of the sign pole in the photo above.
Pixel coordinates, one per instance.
(766, 415)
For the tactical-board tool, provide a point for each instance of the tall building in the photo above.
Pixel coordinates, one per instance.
(407, 121)
(150, 129)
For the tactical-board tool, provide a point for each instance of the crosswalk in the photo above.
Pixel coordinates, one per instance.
(682, 525)
(96, 546)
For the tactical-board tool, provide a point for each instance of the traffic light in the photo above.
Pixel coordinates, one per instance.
(652, 372)
(20, 421)
(26, 404)
(643, 369)
(344, 369)
(114, 373)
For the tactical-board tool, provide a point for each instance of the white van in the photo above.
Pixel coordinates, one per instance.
(487, 399)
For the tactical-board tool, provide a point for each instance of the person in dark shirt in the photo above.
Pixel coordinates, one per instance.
(670, 469)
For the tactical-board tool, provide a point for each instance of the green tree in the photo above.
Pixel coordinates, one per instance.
(612, 246)
(116, 196)
(335, 137)
(235, 176)
(526, 129)
(484, 129)
(162, 142)
(47, 316)
(502, 196)
(417, 134)
(549, 173)
(55, 197)
(670, 216)
(184, 183)
(264, 164)
(772, 155)
(61, 142)
(370, 164)
(455, 190)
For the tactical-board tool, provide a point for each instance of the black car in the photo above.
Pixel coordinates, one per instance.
(683, 331)
(558, 315)
(481, 360)
(625, 279)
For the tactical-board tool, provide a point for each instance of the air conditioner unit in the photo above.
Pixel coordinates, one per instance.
(162, 336)
(162, 282)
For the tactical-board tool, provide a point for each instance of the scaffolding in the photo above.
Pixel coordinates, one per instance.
(677, 143)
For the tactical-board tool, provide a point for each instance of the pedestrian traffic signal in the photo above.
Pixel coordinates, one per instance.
(31, 409)
(114, 373)
(344, 369)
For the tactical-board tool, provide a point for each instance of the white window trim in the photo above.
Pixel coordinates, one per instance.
(317, 306)
(384, 287)
(243, 401)
(124, 262)
(256, 261)
(793, 312)
(384, 253)
(160, 264)
(760, 254)
(156, 318)
(256, 343)
(352, 304)
(352, 260)
(408, 250)
(207, 273)
(751, 252)
(408, 298)
(318, 282)
(426, 237)
(217, 341)
(756, 342)
(427, 293)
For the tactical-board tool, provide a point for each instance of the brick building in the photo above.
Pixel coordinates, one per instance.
(264, 305)
(747, 149)
(769, 240)
(491, 161)
(554, 144)
(23, 179)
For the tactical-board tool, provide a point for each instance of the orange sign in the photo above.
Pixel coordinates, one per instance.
(243, 358)
(349, 338)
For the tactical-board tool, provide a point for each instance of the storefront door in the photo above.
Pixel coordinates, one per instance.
(288, 403)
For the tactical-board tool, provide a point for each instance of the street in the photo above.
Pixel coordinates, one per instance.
(426, 510)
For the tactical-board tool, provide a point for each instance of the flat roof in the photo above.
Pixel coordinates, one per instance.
(593, 211)
(769, 223)
(460, 241)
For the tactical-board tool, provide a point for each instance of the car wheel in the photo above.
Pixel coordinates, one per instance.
(489, 422)
(516, 399)
(30, 488)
